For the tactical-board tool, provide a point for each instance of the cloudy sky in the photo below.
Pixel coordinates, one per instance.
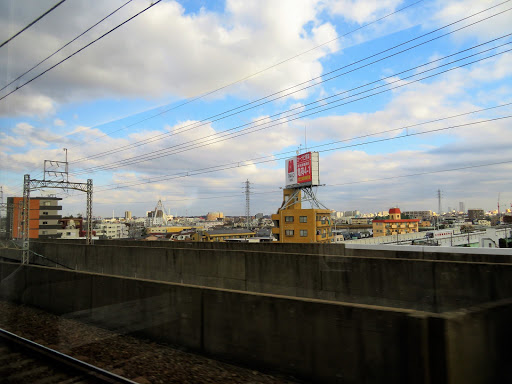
(191, 98)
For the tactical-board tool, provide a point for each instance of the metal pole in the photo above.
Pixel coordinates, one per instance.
(10, 213)
(67, 165)
(26, 220)
(247, 203)
(88, 240)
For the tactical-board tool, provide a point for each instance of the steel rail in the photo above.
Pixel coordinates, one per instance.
(82, 368)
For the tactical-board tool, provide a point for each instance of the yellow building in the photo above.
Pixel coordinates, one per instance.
(394, 225)
(221, 235)
(166, 229)
(292, 224)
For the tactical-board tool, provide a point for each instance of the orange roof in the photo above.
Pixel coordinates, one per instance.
(394, 210)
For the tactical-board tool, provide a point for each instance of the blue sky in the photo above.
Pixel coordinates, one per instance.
(127, 103)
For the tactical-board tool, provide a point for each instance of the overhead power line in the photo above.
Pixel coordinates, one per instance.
(252, 162)
(422, 173)
(231, 133)
(367, 181)
(280, 120)
(208, 93)
(498, 4)
(237, 81)
(216, 117)
(65, 45)
(32, 23)
(273, 158)
(224, 86)
(81, 49)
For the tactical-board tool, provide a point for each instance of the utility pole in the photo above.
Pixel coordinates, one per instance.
(3, 208)
(439, 201)
(247, 203)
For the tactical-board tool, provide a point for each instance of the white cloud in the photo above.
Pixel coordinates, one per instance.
(445, 12)
(362, 11)
(170, 52)
(59, 123)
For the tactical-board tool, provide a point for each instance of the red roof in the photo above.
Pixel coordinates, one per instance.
(394, 210)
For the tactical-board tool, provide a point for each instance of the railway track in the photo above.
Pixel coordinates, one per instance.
(23, 361)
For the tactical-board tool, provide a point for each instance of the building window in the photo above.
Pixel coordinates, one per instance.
(289, 232)
(303, 219)
(43, 233)
(288, 219)
(303, 232)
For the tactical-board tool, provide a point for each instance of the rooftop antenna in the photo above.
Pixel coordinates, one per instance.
(439, 201)
(305, 139)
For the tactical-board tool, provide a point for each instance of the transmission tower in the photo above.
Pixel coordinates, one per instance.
(248, 203)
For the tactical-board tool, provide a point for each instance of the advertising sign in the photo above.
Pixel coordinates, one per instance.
(302, 170)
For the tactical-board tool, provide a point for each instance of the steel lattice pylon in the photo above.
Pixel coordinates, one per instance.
(31, 185)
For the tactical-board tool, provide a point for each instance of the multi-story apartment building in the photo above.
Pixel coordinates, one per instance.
(422, 215)
(476, 214)
(43, 217)
(112, 230)
(293, 224)
(394, 225)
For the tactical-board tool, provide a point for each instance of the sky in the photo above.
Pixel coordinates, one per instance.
(189, 99)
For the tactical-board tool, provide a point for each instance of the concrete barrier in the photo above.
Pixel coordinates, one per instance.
(317, 340)
(422, 284)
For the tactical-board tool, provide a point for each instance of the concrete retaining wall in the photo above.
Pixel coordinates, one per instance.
(315, 340)
(427, 285)
(320, 341)
(349, 249)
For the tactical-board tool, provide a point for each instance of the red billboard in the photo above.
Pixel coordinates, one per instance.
(302, 170)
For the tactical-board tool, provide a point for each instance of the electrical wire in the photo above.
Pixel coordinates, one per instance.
(251, 162)
(209, 120)
(379, 179)
(32, 23)
(227, 85)
(422, 173)
(65, 45)
(273, 158)
(201, 96)
(81, 49)
(454, 22)
(302, 114)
